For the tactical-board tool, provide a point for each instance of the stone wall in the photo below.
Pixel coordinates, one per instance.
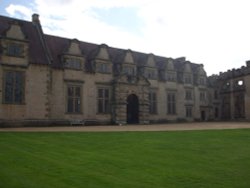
(35, 105)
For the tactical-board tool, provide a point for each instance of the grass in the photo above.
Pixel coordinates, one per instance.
(125, 159)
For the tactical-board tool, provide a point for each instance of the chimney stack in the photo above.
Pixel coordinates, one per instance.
(35, 19)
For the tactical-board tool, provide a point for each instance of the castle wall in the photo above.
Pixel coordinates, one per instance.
(247, 97)
(233, 93)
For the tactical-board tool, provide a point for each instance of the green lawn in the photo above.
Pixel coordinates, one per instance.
(125, 159)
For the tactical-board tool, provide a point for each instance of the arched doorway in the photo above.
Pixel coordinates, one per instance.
(132, 109)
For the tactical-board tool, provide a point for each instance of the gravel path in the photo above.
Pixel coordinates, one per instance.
(151, 127)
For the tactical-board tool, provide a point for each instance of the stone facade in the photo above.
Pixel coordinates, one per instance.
(49, 80)
(231, 94)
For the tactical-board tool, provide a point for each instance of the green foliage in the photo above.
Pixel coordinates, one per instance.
(125, 159)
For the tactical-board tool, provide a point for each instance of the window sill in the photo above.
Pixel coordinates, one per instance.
(5, 103)
(108, 113)
(75, 69)
(110, 73)
(17, 56)
(73, 113)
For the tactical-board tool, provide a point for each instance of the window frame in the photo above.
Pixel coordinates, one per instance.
(203, 96)
(188, 95)
(129, 70)
(13, 88)
(74, 99)
(103, 102)
(189, 111)
(188, 78)
(171, 103)
(151, 73)
(70, 62)
(171, 76)
(12, 51)
(103, 67)
(202, 80)
(152, 102)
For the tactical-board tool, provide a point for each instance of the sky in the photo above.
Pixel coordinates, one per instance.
(215, 33)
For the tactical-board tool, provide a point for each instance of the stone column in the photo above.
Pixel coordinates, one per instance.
(144, 106)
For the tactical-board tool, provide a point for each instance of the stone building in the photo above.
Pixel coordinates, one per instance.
(231, 94)
(47, 79)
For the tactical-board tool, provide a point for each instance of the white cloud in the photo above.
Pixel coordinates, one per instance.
(15, 9)
(212, 32)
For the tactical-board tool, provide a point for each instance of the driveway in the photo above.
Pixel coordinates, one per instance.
(151, 127)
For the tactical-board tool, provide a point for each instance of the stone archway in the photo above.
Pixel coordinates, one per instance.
(132, 109)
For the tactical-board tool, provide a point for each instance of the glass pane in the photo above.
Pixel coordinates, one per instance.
(73, 63)
(124, 70)
(106, 93)
(13, 49)
(77, 105)
(173, 98)
(18, 92)
(100, 106)
(169, 111)
(168, 97)
(70, 91)
(174, 108)
(154, 107)
(9, 87)
(100, 93)
(77, 64)
(106, 103)
(105, 66)
(77, 91)
(98, 67)
(70, 105)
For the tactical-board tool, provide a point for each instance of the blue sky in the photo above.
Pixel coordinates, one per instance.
(210, 32)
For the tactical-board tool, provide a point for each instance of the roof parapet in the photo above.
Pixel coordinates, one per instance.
(248, 63)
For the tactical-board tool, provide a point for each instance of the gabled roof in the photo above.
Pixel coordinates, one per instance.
(47, 49)
(37, 54)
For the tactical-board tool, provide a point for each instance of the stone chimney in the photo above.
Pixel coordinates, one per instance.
(35, 19)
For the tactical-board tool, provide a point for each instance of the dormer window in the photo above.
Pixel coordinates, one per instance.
(202, 96)
(129, 70)
(202, 81)
(14, 49)
(150, 74)
(188, 79)
(103, 68)
(189, 94)
(171, 76)
(73, 63)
